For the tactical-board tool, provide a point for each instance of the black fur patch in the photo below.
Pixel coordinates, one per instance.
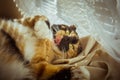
(66, 40)
(48, 23)
(62, 75)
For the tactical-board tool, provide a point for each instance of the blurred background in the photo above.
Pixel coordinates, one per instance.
(8, 10)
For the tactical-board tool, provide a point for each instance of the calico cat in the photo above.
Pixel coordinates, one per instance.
(34, 40)
(69, 44)
(38, 52)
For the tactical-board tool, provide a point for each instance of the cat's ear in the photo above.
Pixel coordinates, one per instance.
(72, 27)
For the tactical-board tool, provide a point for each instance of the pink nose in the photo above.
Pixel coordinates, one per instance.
(58, 39)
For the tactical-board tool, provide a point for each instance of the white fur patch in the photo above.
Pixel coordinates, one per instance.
(29, 50)
(85, 72)
(42, 30)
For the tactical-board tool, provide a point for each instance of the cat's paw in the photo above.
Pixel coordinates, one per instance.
(42, 30)
(39, 24)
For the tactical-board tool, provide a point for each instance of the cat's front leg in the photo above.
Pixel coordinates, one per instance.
(39, 24)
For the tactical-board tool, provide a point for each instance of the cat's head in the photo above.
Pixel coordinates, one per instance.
(64, 36)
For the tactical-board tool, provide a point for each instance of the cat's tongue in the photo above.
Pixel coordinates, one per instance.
(58, 39)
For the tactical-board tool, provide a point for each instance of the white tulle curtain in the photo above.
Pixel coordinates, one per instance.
(99, 18)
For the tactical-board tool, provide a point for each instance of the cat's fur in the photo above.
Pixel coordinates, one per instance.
(36, 49)
(34, 40)
(67, 40)
(11, 62)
